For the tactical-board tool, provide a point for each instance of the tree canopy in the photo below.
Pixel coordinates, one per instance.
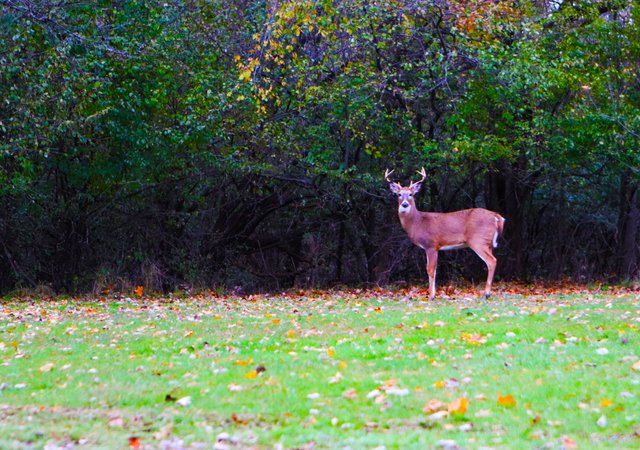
(241, 145)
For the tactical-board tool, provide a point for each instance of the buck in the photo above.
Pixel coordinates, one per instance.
(476, 228)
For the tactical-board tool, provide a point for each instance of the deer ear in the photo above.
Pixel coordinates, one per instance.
(415, 187)
(395, 188)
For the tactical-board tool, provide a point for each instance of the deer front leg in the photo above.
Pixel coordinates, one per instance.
(432, 262)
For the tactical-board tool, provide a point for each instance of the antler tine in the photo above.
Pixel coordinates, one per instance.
(387, 174)
(424, 175)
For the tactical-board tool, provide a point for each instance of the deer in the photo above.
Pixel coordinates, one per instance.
(476, 228)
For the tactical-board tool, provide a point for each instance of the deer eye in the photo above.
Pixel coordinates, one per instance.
(399, 195)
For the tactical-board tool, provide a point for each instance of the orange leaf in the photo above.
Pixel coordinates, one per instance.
(138, 290)
(134, 442)
(506, 400)
(458, 406)
(331, 351)
(252, 374)
(243, 362)
(605, 402)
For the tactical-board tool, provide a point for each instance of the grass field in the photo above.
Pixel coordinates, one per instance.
(529, 368)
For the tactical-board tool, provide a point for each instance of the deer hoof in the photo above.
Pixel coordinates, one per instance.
(487, 295)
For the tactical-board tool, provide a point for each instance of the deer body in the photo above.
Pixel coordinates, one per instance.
(476, 228)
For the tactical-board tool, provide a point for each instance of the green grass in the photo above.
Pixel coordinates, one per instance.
(97, 373)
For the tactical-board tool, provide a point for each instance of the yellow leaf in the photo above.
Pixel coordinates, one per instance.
(439, 384)
(331, 351)
(506, 400)
(605, 402)
(243, 362)
(291, 333)
(458, 406)
(275, 321)
(245, 74)
(252, 374)
(342, 364)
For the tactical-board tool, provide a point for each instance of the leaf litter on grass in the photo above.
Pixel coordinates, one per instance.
(344, 367)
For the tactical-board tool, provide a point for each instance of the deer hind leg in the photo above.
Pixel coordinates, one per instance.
(432, 262)
(486, 254)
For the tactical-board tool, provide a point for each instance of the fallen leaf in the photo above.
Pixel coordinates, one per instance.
(636, 366)
(116, 422)
(605, 402)
(243, 362)
(184, 401)
(395, 390)
(569, 443)
(237, 420)
(252, 374)
(458, 406)
(506, 400)
(134, 442)
(336, 378)
(139, 290)
(473, 338)
(602, 421)
(438, 416)
(351, 394)
(46, 368)
(434, 405)
(374, 393)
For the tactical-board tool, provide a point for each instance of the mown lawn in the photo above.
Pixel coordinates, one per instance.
(529, 368)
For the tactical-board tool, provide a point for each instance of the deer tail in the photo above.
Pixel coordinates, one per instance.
(499, 228)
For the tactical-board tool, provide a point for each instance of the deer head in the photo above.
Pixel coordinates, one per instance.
(406, 202)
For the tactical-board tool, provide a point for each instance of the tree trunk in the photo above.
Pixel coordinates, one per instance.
(628, 227)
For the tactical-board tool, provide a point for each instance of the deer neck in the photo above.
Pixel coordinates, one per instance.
(409, 219)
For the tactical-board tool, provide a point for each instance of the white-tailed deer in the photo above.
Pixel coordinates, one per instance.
(476, 228)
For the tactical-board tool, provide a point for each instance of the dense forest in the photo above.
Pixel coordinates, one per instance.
(241, 145)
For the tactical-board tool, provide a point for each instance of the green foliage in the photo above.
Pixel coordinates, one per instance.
(186, 138)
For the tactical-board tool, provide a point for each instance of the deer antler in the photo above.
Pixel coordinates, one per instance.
(387, 174)
(424, 175)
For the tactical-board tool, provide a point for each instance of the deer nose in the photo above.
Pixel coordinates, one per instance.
(405, 204)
